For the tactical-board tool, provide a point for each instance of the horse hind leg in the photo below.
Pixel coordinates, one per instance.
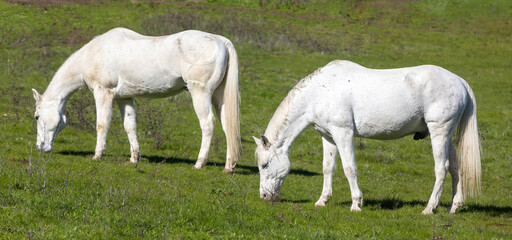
(455, 172)
(440, 136)
(202, 101)
(220, 104)
(130, 126)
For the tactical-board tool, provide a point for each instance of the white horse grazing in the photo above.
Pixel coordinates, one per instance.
(344, 100)
(122, 64)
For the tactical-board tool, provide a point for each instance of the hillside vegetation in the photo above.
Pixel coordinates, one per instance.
(66, 194)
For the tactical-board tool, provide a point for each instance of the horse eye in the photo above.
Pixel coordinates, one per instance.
(264, 165)
(36, 117)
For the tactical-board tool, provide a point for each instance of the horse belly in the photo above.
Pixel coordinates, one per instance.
(389, 128)
(153, 88)
(388, 109)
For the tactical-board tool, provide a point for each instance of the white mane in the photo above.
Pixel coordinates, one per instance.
(279, 120)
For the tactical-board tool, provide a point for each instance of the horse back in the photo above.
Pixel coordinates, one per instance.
(387, 103)
(133, 64)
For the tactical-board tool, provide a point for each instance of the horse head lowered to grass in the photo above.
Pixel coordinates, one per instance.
(122, 64)
(344, 100)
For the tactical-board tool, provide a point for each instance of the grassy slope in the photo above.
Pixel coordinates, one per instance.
(67, 194)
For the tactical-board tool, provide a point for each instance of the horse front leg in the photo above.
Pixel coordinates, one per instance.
(130, 126)
(202, 102)
(103, 98)
(343, 138)
(329, 165)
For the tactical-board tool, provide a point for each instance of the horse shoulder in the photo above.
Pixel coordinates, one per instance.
(331, 102)
(96, 62)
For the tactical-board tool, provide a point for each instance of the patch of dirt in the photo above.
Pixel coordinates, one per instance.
(189, 4)
(20, 160)
(401, 5)
(76, 37)
(44, 3)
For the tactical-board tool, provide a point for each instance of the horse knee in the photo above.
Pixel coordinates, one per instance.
(440, 172)
(350, 172)
(328, 168)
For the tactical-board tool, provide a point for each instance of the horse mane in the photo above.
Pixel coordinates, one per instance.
(279, 120)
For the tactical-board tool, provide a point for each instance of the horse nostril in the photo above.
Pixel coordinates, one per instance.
(265, 196)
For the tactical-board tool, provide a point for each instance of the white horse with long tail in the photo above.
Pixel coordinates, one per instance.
(344, 100)
(121, 64)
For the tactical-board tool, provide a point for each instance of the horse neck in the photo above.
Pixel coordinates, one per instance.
(66, 81)
(289, 120)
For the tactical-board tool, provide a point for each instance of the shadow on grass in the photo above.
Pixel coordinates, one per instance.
(386, 204)
(490, 209)
(296, 201)
(77, 153)
(239, 169)
(303, 172)
(170, 160)
(254, 170)
(393, 204)
(288, 201)
(246, 169)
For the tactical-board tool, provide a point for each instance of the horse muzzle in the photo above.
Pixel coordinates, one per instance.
(270, 197)
(41, 147)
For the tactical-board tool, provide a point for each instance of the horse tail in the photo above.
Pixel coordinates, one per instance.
(227, 101)
(469, 148)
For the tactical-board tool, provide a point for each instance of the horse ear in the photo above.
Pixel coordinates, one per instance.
(257, 140)
(37, 96)
(265, 142)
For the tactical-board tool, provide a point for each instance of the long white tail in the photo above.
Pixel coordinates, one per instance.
(227, 101)
(469, 148)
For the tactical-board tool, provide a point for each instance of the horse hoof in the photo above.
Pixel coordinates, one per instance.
(320, 204)
(355, 209)
(196, 167)
(427, 212)
(455, 206)
(228, 171)
(135, 159)
(453, 209)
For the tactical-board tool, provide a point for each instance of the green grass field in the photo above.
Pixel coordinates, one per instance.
(67, 195)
